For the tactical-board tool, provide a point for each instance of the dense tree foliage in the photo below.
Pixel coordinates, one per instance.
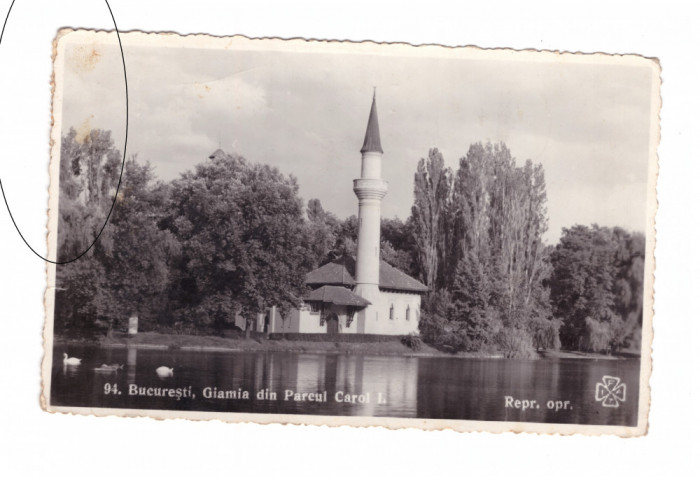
(126, 271)
(226, 238)
(596, 287)
(245, 245)
(138, 263)
(397, 246)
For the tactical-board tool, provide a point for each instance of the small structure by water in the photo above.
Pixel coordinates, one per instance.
(133, 325)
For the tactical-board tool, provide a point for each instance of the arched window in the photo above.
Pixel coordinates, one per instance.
(391, 312)
(408, 312)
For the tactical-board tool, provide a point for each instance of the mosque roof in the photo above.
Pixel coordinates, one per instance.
(337, 296)
(333, 273)
(341, 272)
(372, 141)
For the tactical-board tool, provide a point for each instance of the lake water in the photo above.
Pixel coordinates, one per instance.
(408, 387)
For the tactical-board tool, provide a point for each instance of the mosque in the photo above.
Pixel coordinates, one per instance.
(361, 295)
(364, 294)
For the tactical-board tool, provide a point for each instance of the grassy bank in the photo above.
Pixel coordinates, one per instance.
(262, 344)
(554, 354)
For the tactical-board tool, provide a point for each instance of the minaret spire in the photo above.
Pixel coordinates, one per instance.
(370, 189)
(372, 141)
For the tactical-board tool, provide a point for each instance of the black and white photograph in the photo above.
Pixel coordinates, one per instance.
(345, 233)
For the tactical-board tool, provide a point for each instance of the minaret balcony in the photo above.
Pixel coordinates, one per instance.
(370, 188)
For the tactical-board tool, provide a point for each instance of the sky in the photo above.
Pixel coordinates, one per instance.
(304, 109)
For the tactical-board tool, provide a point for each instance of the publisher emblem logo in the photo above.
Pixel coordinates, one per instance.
(610, 392)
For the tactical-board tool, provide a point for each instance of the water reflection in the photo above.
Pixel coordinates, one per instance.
(437, 388)
(71, 371)
(131, 355)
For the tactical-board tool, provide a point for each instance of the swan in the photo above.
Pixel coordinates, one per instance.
(109, 368)
(164, 372)
(71, 361)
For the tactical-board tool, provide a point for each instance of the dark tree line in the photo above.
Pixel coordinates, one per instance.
(227, 238)
(232, 237)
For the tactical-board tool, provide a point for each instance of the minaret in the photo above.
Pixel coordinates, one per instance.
(370, 189)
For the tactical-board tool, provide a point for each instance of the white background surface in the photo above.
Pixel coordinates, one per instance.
(33, 442)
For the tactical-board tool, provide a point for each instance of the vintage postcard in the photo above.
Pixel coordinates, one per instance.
(346, 233)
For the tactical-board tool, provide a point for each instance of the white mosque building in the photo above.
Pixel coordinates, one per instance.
(364, 295)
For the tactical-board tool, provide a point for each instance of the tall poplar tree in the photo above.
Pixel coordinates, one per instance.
(432, 184)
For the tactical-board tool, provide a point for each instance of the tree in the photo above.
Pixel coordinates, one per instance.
(629, 284)
(345, 239)
(89, 172)
(127, 269)
(397, 247)
(493, 243)
(82, 300)
(431, 190)
(596, 287)
(500, 217)
(473, 304)
(137, 263)
(472, 206)
(245, 244)
(324, 228)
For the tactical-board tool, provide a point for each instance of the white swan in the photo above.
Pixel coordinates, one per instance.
(70, 361)
(164, 372)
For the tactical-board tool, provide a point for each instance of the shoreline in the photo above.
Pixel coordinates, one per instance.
(214, 344)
